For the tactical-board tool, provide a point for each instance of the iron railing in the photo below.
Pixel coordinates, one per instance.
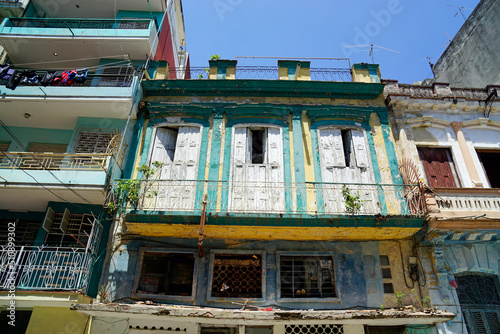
(275, 197)
(79, 23)
(44, 268)
(93, 80)
(49, 268)
(268, 73)
(54, 161)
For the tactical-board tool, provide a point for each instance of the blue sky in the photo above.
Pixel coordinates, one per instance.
(320, 28)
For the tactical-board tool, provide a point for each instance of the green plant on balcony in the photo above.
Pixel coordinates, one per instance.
(128, 192)
(352, 202)
(399, 299)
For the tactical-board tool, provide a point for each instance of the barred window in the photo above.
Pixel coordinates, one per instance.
(26, 231)
(93, 142)
(307, 277)
(76, 233)
(237, 275)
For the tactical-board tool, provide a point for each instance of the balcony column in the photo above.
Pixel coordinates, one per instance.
(297, 164)
(469, 163)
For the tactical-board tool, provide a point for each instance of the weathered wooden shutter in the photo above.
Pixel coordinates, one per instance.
(240, 145)
(274, 147)
(438, 167)
(187, 152)
(164, 150)
(331, 148)
(360, 150)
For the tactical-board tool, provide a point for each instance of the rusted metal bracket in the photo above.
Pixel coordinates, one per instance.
(203, 219)
(489, 102)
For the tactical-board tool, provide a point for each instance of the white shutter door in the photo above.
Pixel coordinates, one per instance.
(240, 145)
(359, 142)
(187, 152)
(164, 149)
(274, 147)
(331, 148)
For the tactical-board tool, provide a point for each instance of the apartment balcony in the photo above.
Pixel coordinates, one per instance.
(69, 39)
(11, 8)
(51, 268)
(465, 209)
(45, 268)
(58, 106)
(319, 206)
(29, 180)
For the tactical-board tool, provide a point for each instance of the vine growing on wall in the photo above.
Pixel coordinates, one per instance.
(352, 201)
(128, 192)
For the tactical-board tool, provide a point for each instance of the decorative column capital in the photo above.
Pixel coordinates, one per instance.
(457, 126)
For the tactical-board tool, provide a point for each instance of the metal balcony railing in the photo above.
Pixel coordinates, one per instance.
(92, 80)
(279, 198)
(269, 73)
(55, 161)
(45, 268)
(79, 23)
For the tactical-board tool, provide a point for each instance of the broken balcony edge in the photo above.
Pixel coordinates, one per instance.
(208, 315)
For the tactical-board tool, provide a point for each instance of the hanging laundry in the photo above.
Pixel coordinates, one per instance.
(14, 80)
(3, 71)
(6, 75)
(81, 75)
(29, 78)
(57, 78)
(47, 78)
(68, 77)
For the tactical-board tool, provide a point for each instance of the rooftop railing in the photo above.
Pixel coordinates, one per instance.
(270, 73)
(278, 198)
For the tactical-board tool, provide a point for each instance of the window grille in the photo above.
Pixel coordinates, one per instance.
(167, 274)
(26, 231)
(117, 76)
(385, 267)
(79, 228)
(314, 329)
(307, 277)
(236, 275)
(480, 302)
(93, 142)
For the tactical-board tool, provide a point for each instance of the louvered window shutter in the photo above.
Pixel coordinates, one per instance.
(274, 152)
(360, 150)
(164, 146)
(240, 145)
(331, 148)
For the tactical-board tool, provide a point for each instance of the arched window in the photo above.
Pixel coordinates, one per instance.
(480, 302)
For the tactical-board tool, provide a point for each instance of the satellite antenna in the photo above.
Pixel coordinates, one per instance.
(371, 50)
(460, 10)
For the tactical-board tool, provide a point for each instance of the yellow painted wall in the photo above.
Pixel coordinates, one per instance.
(308, 162)
(271, 232)
(399, 268)
(361, 76)
(57, 320)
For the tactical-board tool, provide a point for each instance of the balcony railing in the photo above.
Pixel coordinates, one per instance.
(278, 198)
(92, 80)
(467, 200)
(43, 268)
(79, 23)
(269, 73)
(55, 161)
